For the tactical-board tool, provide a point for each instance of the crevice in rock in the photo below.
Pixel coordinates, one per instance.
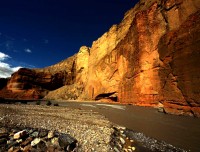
(111, 96)
(176, 4)
(113, 74)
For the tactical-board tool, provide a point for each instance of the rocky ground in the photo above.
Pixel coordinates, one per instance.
(55, 128)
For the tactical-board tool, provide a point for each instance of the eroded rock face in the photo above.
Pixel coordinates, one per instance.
(156, 61)
(179, 52)
(82, 61)
(36, 83)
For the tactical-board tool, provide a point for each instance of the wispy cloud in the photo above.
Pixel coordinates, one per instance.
(5, 69)
(28, 50)
(3, 56)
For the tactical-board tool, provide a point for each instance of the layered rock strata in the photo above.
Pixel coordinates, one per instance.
(36, 83)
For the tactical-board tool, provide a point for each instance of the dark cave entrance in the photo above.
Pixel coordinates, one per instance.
(110, 96)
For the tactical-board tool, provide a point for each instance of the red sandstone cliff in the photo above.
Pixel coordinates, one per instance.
(154, 62)
(150, 59)
(36, 83)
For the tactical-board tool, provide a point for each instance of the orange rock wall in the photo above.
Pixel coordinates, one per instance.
(155, 63)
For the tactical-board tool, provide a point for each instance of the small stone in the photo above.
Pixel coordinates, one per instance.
(42, 133)
(55, 142)
(132, 141)
(129, 150)
(122, 140)
(51, 134)
(19, 134)
(35, 142)
(10, 141)
(116, 150)
(123, 135)
(34, 134)
(19, 140)
(133, 148)
(125, 150)
(66, 141)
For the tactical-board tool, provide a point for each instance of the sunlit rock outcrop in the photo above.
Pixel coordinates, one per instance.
(133, 67)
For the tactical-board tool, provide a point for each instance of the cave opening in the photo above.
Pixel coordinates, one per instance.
(109, 96)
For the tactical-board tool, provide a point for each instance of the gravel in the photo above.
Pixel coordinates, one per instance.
(92, 130)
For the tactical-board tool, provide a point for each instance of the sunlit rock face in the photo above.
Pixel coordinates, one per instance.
(154, 61)
(103, 72)
(74, 90)
(82, 65)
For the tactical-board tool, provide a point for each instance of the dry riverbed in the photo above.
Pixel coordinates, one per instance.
(93, 131)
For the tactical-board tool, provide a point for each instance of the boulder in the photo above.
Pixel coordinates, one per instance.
(20, 134)
(67, 142)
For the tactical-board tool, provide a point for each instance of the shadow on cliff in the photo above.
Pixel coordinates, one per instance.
(179, 51)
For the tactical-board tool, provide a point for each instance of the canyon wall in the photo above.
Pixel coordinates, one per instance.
(153, 62)
(150, 59)
(36, 83)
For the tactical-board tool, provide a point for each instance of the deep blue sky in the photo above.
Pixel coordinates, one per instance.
(39, 33)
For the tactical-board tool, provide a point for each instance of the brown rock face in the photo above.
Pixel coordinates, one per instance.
(150, 59)
(155, 63)
(180, 70)
(36, 83)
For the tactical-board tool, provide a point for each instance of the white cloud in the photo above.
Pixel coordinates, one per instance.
(3, 56)
(5, 69)
(28, 51)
